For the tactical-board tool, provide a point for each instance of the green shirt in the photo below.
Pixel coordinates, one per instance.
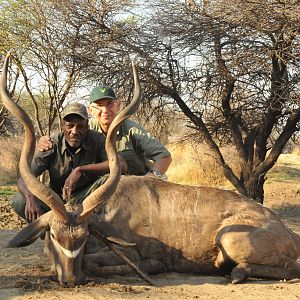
(60, 162)
(137, 146)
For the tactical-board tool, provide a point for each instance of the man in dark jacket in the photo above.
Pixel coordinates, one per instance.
(75, 161)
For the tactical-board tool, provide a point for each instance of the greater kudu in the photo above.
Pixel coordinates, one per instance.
(185, 229)
(68, 224)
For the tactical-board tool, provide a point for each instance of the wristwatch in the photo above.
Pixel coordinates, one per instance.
(155, 172)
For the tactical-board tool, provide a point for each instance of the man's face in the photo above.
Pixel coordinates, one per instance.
(104, 110)
(75, 129)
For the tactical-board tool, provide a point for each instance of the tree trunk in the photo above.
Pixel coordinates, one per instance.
(254, 188)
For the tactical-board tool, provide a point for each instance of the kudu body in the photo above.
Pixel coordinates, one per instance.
(201, 230)
(174, 228)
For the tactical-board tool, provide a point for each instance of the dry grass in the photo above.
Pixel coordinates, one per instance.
(9, 159)
(296, 151)
(194, 165)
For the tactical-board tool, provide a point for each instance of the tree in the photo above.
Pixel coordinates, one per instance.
(229, 66)
(42, 39)
(61, 46)
(232, 68)
(107, 46)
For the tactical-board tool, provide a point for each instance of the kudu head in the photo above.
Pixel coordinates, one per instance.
(68, 225)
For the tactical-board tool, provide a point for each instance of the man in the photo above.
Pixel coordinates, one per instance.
(142, 152)
(75, 161)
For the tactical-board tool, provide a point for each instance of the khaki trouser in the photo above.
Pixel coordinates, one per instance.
(19, 201)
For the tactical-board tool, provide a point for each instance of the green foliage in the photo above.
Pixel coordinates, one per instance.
(7, 191)
(287, 168)
(16, 27)
(284, 173)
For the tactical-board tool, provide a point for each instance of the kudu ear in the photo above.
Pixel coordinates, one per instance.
(104, 230)
(30, 233)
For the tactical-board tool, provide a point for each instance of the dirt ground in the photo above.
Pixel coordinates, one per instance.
(24, 272)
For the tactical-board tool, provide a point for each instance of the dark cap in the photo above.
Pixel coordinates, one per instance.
(102, 92)
(75, 109)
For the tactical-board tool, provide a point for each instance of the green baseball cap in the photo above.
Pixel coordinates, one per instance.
(75, 109)
(102, 92)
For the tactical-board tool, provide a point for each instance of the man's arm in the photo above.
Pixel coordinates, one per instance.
(39, 164)
(162, 164)
(86, 170)
(32, 207)
(151, 148)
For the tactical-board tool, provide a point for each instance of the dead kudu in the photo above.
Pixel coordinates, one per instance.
(174, 228)
(68, 227)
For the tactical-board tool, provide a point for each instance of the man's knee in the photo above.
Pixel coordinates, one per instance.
(18, 203)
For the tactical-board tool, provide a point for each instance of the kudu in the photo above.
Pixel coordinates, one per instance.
(68, 224)
(181, 228)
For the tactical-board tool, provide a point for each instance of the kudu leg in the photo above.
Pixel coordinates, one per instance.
(148, 266)
(256, 252)
(244, 270)
(120, 269)
(134, 267)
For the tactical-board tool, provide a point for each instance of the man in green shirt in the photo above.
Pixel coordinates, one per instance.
(75, 161)
(142, 152)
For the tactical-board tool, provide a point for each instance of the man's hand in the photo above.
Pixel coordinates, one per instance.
(44, 144)
(32, 208)
(70, 183)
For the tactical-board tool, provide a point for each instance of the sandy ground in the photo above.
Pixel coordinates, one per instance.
(24, 272)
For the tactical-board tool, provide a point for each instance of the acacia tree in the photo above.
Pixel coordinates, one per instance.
(107, 45)
(66, 44)
(42, 39)
(232, 68)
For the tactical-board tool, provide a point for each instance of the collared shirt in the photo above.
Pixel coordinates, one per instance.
(60, 161)
(137, 146)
